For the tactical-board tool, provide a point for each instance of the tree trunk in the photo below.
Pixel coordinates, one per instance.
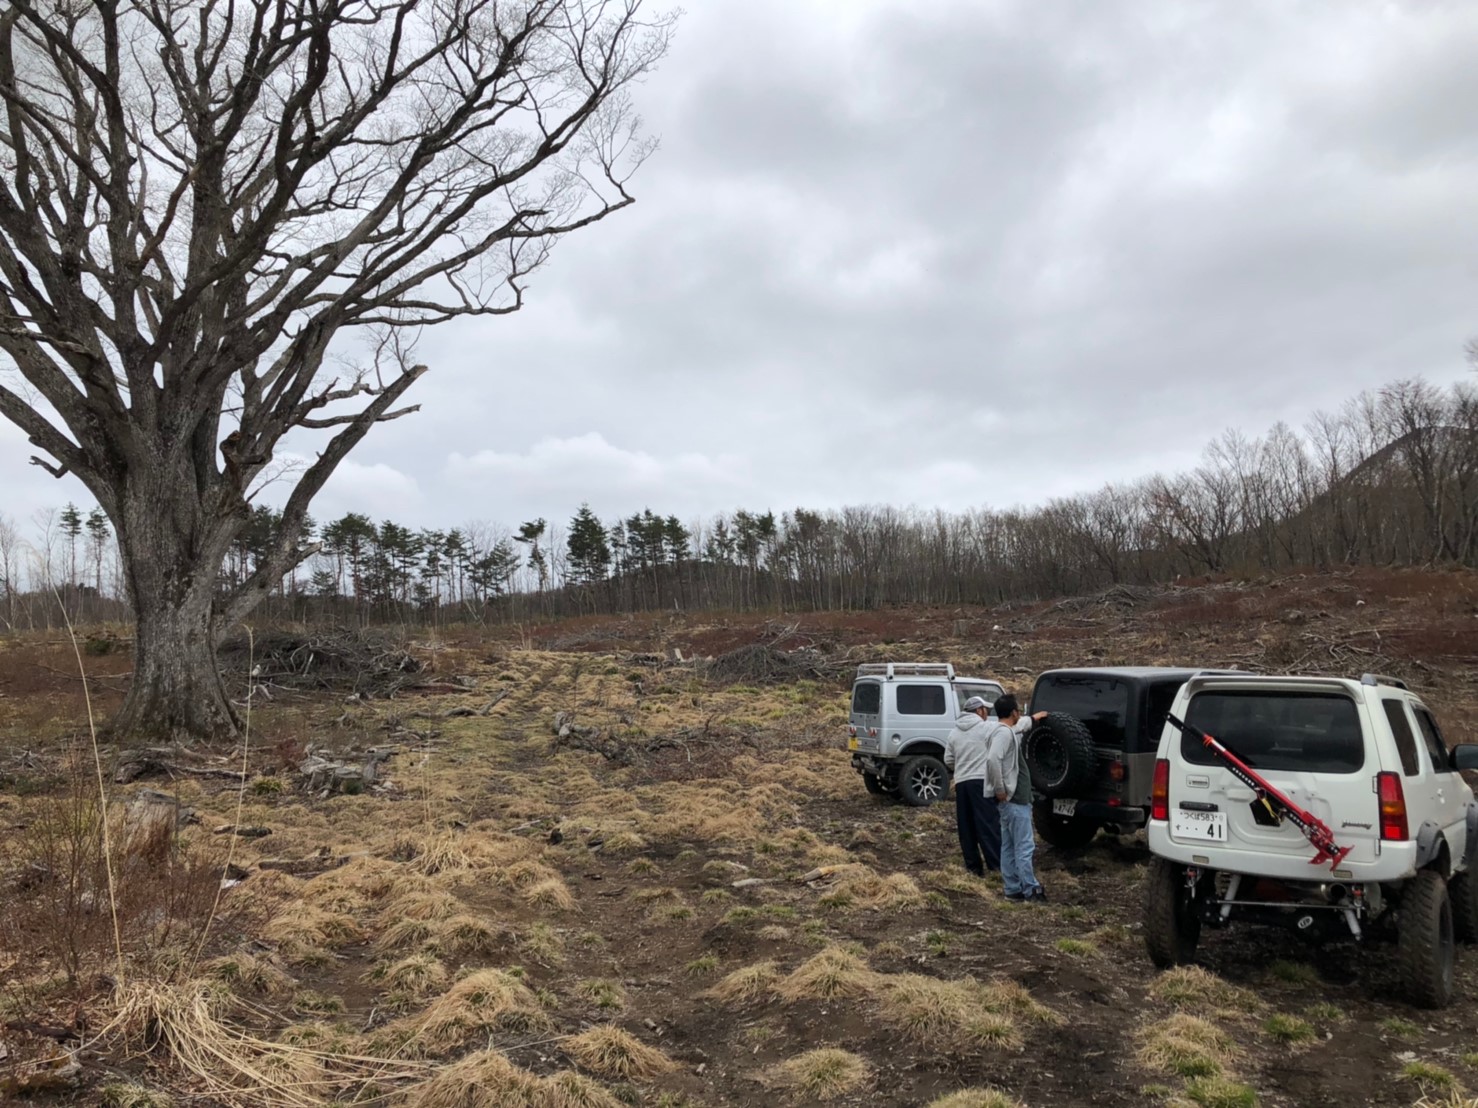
(177, 694)
(173, 547)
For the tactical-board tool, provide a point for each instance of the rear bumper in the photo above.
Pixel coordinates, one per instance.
(1100, 812)
(871, 763)
(1396, 861)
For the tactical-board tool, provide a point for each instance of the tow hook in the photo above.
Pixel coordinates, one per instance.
(1192, 876)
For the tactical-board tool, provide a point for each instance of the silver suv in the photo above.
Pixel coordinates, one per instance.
(901, 714)
(1379, 827)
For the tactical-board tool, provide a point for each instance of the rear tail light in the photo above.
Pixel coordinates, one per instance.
(1116, 771)
(1393, 826)
(1160, 791)
(852, 730)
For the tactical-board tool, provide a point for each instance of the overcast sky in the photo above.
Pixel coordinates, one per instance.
(960, 253)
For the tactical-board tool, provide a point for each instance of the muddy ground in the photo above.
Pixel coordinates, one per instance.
(601, 867)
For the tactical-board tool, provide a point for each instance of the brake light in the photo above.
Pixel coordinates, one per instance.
(1160, 791)
(1393, 826)
(1116, 771)
(852, 730)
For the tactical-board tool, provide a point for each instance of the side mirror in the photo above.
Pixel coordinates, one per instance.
(1464, 756)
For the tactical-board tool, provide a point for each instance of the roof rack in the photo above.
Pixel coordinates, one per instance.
(891, 670)
(1381, 679)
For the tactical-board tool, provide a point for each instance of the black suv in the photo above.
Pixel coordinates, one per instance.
(1093, 757)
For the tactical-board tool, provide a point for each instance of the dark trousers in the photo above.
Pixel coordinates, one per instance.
(979, 822)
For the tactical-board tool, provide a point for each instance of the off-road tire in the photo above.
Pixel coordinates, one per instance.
(1462, 890)
(1060, 754)
(874, 784)
(922, 780)
(1063, 832)
(1171, 926)
(1425, 944)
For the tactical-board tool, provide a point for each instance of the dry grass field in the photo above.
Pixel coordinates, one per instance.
(686, 898)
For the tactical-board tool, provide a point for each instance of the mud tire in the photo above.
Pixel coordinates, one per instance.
(1059, 751)
(922, 780)
(1426, 947)
(1171, 927)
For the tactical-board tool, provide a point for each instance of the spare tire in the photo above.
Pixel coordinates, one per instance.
(1060, 754)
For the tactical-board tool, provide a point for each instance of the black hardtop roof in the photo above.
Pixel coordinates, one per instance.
(1139, 673)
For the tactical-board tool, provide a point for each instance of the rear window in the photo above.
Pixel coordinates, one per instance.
(989, 693)
(1301, 731)
(921, 700)
(1436, 748)
(867, 698)
(1401, 731)
(1102, 703)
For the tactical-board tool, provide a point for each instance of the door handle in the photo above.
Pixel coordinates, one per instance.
(1241, 794)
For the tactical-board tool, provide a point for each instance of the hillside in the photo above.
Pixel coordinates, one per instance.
(625, 861)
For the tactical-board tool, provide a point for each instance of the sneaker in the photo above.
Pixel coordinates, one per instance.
(1017, 897)
(1037, 896)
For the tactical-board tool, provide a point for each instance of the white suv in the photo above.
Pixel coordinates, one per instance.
(1367, 759)
(901, 714)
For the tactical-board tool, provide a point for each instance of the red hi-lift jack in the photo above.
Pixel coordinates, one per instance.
(1277, 804)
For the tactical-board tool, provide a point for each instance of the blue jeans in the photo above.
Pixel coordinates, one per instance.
(1017, 848)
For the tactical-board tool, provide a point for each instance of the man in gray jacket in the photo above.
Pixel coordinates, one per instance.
(976, 816)
(1010, 781)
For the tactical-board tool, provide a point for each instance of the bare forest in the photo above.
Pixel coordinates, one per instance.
(1388, 479)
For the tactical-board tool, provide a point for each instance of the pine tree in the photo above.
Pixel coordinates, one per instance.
(530, 533)
(98, 534)
(71, 524)
(590, 553)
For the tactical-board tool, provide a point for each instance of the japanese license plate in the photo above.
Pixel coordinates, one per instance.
(1206, 826)
(1064, 807)
(852, 743)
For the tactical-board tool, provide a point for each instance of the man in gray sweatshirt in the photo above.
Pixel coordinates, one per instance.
(976, 815)
(1010, 781)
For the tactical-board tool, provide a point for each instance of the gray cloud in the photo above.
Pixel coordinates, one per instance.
(957, 254)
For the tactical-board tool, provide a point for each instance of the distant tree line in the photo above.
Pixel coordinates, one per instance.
(1389, 479)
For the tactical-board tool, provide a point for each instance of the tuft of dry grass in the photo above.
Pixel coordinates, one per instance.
(612, 1052)
(1191, 988)
(623, 843)
(125, 1094)
(244, 972)
(746, 984)
(467, 934)
(551, 893)
(423, 904)
(822, 1074)
(605, 995)
(948, 1014)
(486, 1079)
(185, 1022)
(1185, 1045)
(832, 973)
(403, 934)
(862, 887)
(482, 1002)
(417, 974)
(573, 1090)
(975, 1098)
(303, 924)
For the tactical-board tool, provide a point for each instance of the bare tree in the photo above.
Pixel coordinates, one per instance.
(10, 569)
(201, 200)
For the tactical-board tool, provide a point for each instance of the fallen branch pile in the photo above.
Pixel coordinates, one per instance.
(364, 662)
